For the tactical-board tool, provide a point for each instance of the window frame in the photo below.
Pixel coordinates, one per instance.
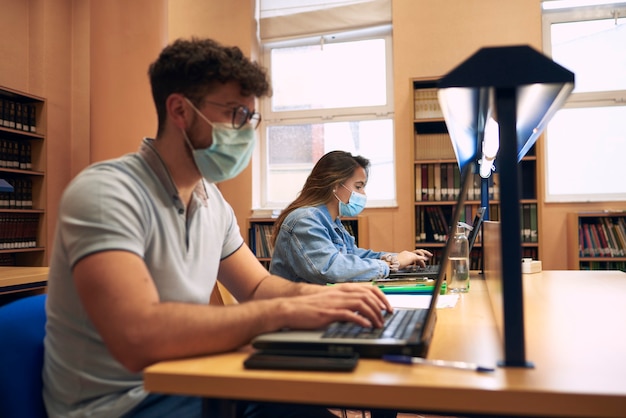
(260, 164)
(594, 99)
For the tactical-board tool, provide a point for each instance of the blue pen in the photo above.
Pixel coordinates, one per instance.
(438, 363)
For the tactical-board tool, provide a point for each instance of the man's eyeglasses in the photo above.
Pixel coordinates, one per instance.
(241, 115)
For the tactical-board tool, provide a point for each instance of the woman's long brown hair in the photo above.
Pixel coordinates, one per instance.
(331, 170)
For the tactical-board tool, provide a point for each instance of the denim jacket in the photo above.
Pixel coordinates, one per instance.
(313, 248)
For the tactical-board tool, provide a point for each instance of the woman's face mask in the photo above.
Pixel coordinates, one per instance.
(228, 155)
(355, 204)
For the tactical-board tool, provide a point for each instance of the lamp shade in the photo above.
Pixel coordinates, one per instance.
(467, 96)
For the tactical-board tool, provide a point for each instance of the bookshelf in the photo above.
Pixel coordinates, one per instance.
(23, 165)
(596, 240)
(260, 232)
(437, 181)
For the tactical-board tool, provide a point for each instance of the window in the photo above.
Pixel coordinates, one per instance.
(332, 89)
(586, 140)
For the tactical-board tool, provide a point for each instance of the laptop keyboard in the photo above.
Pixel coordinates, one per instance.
(399, 325)
(429, 268)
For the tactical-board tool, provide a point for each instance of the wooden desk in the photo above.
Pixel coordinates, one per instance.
(575, 324)
(17, 279)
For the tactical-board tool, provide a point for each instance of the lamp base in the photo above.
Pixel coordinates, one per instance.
(525, 364)
(530, 266)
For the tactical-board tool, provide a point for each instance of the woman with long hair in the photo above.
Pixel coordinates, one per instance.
(310, 242)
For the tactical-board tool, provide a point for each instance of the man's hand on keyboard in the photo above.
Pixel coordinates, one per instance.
(348, 302)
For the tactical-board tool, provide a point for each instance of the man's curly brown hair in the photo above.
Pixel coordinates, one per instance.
(195, 67)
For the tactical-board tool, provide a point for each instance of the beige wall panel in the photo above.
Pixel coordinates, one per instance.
(379, 227)
(14, 44)
(228, 22)
(50, 67)
(47, 32)
(126, 36)
(437, 35)
(80, 144)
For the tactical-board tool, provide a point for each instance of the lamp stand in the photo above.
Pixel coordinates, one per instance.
(510, 182)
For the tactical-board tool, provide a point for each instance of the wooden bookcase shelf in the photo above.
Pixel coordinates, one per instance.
(260, 231)
(437, 180)
(596, 240)
(22, 211)
(23, 165)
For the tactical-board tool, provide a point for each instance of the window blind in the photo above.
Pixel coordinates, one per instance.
(285, 19)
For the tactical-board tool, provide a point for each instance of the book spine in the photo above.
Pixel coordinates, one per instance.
(620, 232)
(443, 173)
(588, 251)
(457, 181)
(534, 231)
(450, 167)
(597, 252)
(418, 183)
(526, 223)
(431, 182)
(437, 181)
(424, 176)
(604, 249)
(2, 102)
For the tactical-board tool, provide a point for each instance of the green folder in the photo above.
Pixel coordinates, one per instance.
(411, 289)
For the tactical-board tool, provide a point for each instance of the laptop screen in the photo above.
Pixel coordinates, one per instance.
(476, 224)
(493, 271)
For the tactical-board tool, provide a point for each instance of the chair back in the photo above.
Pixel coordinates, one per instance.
(22, 330)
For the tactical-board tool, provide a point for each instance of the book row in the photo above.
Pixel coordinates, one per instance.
(603, 265)
(7, 259)
(22, 195)
(351, 228)
(260, 239)
(18, 115)
(426, 104)
(602, 237)
(529, 222)
(433, 146)
(432, 222)
(442, 182)
(18, 230)
(15, 154)
(260, 234)
(476, 259)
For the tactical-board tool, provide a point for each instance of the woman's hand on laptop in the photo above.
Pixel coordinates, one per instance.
(407, 258)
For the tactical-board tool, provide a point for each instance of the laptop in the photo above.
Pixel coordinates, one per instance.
(430, 271)
(414, 329)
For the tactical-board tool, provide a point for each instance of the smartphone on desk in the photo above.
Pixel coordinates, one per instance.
(318, 361)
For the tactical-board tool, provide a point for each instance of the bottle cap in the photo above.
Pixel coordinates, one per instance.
(461, 227)
(464, 225)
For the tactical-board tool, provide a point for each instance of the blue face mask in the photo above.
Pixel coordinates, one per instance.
(228, 155)
(355, 204)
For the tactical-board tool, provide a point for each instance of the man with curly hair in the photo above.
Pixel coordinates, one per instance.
(142, 239)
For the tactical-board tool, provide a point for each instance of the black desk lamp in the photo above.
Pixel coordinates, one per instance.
(496, 104)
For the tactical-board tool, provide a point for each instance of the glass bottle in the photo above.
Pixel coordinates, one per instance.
(459, 261)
